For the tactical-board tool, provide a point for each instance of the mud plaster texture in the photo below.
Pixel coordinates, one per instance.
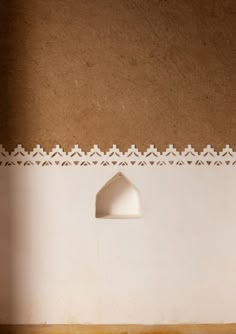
(117, 71)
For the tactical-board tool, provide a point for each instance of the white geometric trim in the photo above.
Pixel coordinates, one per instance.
(95, 157)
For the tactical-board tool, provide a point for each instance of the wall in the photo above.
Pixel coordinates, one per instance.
(88, 72)
(176, 264)
(117, 72)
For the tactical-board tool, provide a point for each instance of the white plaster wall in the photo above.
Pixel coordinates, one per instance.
(59, 264)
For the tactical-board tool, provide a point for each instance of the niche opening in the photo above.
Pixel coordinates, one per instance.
(118, 198)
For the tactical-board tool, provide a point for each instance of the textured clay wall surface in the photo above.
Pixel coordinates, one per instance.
(125, 72)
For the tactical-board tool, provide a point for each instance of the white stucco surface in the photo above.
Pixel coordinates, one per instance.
(175, 264)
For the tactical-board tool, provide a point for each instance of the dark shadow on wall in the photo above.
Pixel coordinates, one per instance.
(11, 68)
(11, 59)
(6, 306)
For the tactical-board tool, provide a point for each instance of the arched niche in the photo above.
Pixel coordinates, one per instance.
(118, 198)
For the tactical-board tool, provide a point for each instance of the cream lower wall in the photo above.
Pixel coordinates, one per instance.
(59, 264)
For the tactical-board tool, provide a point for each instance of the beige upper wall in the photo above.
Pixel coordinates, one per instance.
(117, 71)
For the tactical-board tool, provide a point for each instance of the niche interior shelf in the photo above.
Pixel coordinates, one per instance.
(118, 199)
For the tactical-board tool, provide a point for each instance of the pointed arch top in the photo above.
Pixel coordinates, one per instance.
(118, 198)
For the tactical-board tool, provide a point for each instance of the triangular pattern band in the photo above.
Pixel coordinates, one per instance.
(132, 157)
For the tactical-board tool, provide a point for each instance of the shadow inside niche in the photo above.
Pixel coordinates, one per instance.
(118, 199)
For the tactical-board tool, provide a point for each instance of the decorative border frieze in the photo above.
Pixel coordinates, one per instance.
(132, 157)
